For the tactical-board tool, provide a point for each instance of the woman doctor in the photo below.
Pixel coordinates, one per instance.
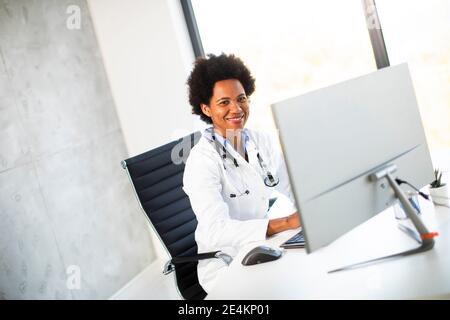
(232, 171)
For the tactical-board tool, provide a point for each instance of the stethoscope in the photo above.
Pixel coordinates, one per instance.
(269, 179)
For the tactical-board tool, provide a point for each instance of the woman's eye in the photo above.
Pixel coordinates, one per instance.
(242, 99)
(224, 103)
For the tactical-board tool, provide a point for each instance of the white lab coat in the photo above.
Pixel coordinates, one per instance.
(226, 223)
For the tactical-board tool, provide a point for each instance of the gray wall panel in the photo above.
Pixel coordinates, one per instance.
(64, 199)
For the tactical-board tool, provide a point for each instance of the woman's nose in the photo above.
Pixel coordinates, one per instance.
(235, 106)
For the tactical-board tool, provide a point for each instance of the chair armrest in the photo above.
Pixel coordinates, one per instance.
(170, 265)
(200, 256)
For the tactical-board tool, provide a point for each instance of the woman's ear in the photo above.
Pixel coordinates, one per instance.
(206, 109)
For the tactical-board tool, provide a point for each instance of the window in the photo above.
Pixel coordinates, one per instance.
(291, 47)
(418, 32)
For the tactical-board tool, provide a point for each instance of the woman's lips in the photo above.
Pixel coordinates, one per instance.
(235, 120)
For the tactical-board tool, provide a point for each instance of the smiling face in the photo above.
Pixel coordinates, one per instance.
(228, 107)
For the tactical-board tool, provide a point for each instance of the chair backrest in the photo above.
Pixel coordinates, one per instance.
(157, 177)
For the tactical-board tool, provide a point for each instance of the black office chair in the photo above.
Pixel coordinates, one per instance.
(157, 179)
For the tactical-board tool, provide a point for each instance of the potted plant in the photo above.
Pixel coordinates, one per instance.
(439, 189)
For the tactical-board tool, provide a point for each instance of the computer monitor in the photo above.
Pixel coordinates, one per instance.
(334, 138)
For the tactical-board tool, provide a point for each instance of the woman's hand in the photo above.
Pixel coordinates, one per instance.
(281, 224)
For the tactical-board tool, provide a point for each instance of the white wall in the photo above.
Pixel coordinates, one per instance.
(148, 56)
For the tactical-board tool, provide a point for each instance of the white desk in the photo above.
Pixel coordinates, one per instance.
(297, 275)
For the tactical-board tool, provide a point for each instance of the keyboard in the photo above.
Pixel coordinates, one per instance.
(297, 241)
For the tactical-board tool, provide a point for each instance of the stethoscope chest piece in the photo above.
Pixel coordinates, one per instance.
(270, 181)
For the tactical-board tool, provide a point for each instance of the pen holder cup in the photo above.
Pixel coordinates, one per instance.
(399, 211)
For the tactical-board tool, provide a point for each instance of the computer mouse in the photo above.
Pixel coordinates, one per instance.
(261, 254)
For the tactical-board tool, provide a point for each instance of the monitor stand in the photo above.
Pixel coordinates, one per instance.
(423, 236)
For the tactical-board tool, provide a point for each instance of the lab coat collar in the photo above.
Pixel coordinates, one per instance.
(224, 142)
(249, 146)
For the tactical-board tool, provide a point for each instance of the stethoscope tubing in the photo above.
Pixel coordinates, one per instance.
(269, 180)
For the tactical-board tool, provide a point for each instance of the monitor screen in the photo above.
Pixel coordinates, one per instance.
(335, 137)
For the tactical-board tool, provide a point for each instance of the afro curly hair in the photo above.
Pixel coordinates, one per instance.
(207, 71)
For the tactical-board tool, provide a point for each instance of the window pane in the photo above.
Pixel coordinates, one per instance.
(291, 47)
(418, 32)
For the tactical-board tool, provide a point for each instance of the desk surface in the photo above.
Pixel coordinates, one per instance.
(298, 275)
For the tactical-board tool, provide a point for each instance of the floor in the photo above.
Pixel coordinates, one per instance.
(150, 284)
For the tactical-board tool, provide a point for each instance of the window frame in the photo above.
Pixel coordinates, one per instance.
(191, 23)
